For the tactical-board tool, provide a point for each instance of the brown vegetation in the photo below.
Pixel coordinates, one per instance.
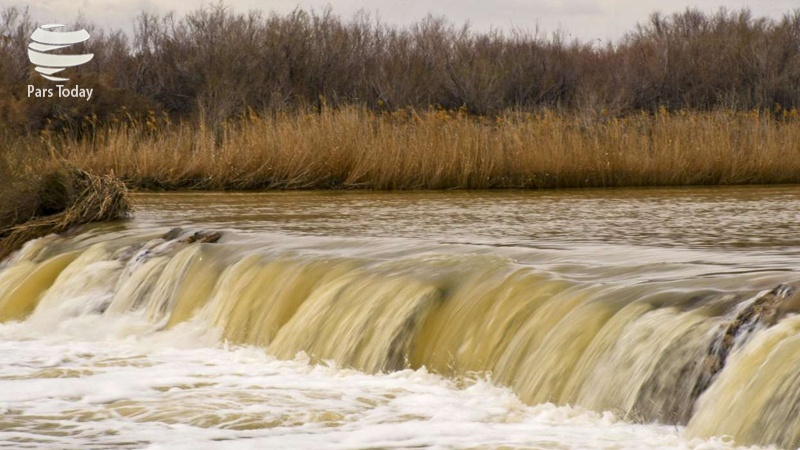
(438, 149)
(52, 198)
(220, 64)
(219, 100)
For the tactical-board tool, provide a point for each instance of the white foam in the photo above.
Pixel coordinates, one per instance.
(100, 382)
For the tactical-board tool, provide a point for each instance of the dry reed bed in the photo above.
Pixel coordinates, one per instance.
(354, 148)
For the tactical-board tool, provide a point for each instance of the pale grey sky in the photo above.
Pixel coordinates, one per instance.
(583, 19)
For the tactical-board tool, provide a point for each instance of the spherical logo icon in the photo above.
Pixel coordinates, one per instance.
(44, 41)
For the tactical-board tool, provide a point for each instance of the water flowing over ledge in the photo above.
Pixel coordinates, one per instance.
(678, 339)
(645, 351)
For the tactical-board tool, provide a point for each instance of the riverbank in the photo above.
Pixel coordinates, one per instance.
(48, 196)
(353, 148)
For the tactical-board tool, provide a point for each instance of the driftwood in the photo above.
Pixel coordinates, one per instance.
(55, 202)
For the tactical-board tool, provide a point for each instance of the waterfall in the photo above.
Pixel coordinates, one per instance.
(704, 353)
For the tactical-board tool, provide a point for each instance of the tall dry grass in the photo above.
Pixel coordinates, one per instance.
(436, 149)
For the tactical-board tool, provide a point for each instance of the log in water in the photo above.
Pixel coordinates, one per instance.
(365, 319)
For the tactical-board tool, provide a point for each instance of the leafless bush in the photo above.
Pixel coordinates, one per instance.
(220, 64)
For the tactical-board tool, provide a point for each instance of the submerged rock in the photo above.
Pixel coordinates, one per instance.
(173, 234)
(202, 237)
(763, 312)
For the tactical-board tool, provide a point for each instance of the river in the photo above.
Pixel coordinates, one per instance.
(625, 318)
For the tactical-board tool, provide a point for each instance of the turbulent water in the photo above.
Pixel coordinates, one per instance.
(574, 319)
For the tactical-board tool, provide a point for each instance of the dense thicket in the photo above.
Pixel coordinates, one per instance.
(215, 64)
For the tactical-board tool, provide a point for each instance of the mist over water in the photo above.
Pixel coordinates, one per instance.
(661, 318)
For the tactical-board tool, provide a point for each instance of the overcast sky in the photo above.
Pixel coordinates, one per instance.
(583, 19)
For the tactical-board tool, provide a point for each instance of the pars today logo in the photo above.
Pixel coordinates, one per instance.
(48, 64)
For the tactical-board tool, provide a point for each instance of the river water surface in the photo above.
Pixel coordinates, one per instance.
(659, 318)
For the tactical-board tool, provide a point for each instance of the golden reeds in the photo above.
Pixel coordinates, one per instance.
(435, 149)
(355, 148)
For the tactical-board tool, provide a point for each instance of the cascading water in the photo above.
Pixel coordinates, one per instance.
(716, 352)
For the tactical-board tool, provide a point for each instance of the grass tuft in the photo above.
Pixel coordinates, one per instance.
(54, 199)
